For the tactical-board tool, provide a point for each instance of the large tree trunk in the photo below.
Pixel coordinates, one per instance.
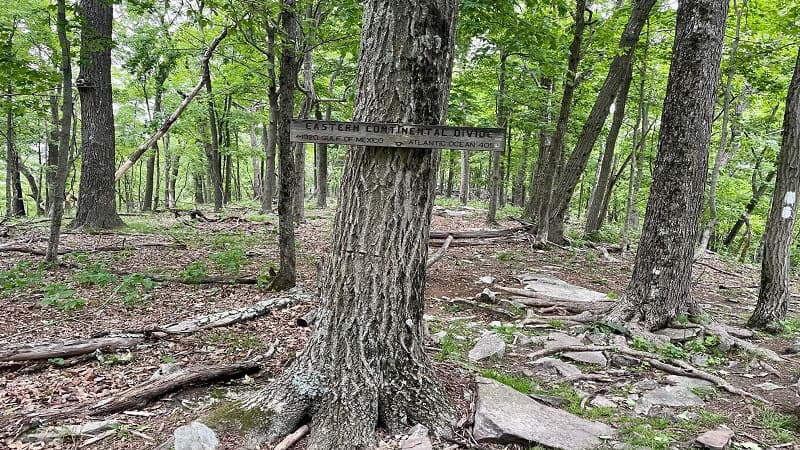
(598, 203)
(59, 174)
(96, 205)
(659, 290)
(597, 118)
(724, 154)
(365, 364)
(286, 276)
(773, 296)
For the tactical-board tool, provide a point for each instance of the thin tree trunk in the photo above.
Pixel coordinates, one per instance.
(598, 204)
(15, 202)
(59, 176)
(255, 162)
(597, 117)
(724, 154)
(495, 185)
(464, 189)
(748, 208)
(659, 290)
(269, 134)
(518, 191)
(286, 276)
(773, 295)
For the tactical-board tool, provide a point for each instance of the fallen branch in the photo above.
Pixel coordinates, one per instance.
(131, 160)
(65, 349)
(142, 394)
(292, 439)
(438, 255)
(681, 368)
(482, 234)
(487, 308)
(737, 275)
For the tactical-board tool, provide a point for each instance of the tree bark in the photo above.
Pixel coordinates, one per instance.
(541, 204)
(724, 154)
(365, 363)
(748, 208)
(96, 191)
(464, 188)
(269, 134)
(659, 290)
(597, 117)
(59, 174)
(15, 202)
(773, 295)
(211, 147)
(495, 182)
(598, 204)
(286, 276)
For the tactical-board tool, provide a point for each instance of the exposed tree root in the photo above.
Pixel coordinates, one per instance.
(718, 330)
(292, 439)
(677, 367)
(438, 255)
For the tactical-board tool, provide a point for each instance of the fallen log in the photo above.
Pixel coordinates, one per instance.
(481, 234)
(65, 349)
(140, 395)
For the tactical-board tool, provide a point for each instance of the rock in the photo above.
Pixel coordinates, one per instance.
(504, 415)
(624, 361)
(488, 346)
(563, 369)
(596, 358)
(769, 386)
(417, 439)
(436, 338)
(602, 402)
(679, 334)
(718, 439)
(561, 340)
(195, 436)
(550, 400)
(688, 382)
(646, 385)
(487, 296)
(522, 340)
(792, 349)
(495, 324)
(700, 359)
(597, 338)
(63, 431)
(486, 280)
(673, 396)
(553, 287)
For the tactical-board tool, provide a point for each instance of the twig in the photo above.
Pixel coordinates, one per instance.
(438, 255)
(719, 270)
(292, 439)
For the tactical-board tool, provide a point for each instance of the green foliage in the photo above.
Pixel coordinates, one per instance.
(782, 426)
(134, 287)
(450, 349)
(24, 275)
(230, 260)
(195, 272)
(520, 383)
(94, 275)
(62, 297)
(113, 359)
(651, 433)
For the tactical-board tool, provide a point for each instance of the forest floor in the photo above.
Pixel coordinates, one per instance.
(105, 286)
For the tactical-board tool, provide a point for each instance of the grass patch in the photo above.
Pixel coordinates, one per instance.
(519, 383)
(646, 432)
(782, 427)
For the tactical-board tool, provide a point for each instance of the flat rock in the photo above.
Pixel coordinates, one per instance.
(563, 369)
(672, 396)
(769, 386)
(195, 436)
(603, 402)
(718, 439)
(624, 361)
(688, 382)
(417, 439)
(488, 346)
(561, 340)
(553, 287)
(595, 358)
(504, 415)
(679, 334)
(488, 279)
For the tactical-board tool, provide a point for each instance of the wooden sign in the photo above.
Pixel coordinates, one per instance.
(398, 135)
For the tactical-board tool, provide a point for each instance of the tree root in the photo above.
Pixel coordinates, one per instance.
(676, 367)
(292, 439)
